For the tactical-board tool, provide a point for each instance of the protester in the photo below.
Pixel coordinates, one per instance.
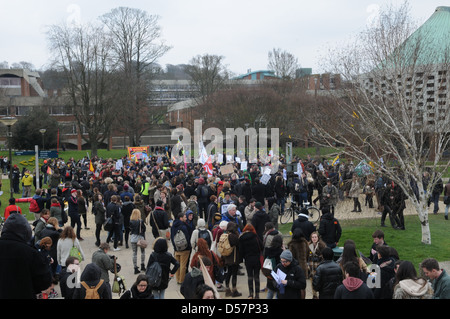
(439, 278)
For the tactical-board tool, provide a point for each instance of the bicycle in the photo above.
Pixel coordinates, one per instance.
(294, 210)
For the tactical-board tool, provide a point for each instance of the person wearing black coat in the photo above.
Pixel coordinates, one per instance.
(75, 218)
(247, 190)
(159, 220)
(259, 220)
(165, 259)
(140, 289)
(304, 224)
(114, 210)
(91, 275)
(329, 229)
(328, 275)
(259, 191)
(27, 274)
(387, 264)
(352, 286)
(250, 249)
(294, 285)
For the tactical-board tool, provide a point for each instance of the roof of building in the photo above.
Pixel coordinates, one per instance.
(430, 43)
(253, 74)
(30, 76)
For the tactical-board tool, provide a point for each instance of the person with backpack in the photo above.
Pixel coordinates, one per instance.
(231, 258)
(164, 259)
(201, 232)
(181, 241)
(215, 271)
(92, 286)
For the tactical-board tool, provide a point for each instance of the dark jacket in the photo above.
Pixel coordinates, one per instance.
(386, 273)
(91, 275)
(327, 278)
(179, 225)
(165, 259)
(304, 224)
(296, 281)
(27, 273)
(250, 248)
(133, 293)
(162, 220)
(259, 220)
(193, 279)
(353, 288)
(330, 229)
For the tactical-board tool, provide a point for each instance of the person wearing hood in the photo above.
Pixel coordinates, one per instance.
(194, 279)
(304, 224)
(294, 284)
(250, 249)
(329, 228)
(159, 220)
(27, 182)
(352, 286)
(140, 289)
(27, 274)
(165, 259)
(181, 255)
(201, 232)
(91, 276)
(190, 221)
(408, 285)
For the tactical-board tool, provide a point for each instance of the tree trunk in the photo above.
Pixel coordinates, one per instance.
(422, 210)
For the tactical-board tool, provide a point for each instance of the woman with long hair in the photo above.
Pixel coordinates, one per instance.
(137, 232)
(408, 285)
(66, 241)
(250, 248)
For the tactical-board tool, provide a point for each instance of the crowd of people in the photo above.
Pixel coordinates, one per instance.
(207, 230)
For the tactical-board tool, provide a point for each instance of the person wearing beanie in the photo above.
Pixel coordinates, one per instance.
(294, 285)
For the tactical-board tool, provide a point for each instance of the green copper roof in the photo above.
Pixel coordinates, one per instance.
(430, 43)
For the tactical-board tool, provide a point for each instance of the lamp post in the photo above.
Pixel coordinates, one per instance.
(9, 121)
(43, 130)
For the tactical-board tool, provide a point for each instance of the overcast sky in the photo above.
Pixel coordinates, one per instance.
(243, 31)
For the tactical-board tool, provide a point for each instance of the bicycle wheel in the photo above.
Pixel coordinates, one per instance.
(287, 215)
(314, 214)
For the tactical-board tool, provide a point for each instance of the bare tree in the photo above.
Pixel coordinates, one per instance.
(137, 45)
(283, 63)
(83, 54)
(208, 74)
(391, 110)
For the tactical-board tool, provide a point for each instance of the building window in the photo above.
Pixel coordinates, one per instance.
(10, 82)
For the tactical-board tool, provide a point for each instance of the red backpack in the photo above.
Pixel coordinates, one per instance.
(34, 207)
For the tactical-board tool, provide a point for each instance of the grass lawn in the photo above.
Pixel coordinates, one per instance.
(407, 242)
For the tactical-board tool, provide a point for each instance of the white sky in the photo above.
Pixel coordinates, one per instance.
(243, 31)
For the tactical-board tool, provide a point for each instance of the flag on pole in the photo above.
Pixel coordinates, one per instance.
(208, 167)
(335, 161)
(91, 167)
(203, 154)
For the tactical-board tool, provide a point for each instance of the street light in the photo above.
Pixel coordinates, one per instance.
(9, 121)
(43, 130)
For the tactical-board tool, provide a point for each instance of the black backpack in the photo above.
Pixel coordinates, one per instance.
(203, 233)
